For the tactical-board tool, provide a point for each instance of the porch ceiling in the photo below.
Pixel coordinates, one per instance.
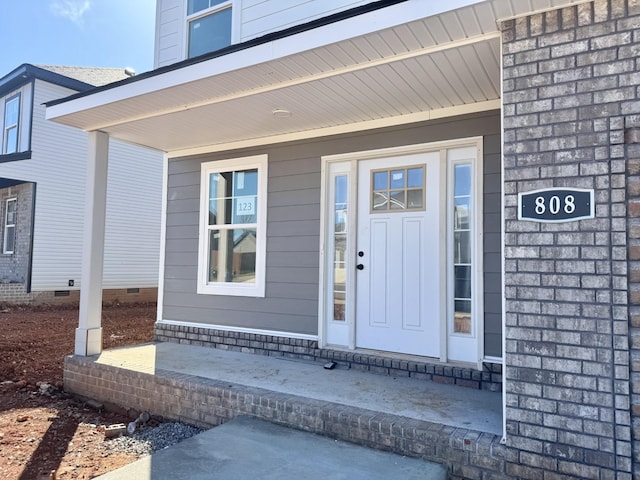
(435, 66)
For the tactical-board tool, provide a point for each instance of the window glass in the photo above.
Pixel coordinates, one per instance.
(210, 33)
(462, 291)
(340, 248)
(11, 115)
(9, 226)
(415, 177)
(398, 189)
(195, 6)
(233, 197)
(232, 243)
(233, 200)
(232, 255)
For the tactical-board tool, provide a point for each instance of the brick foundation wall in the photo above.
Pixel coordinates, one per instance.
(570, 83)
(468, 454)
(490, 378)
(14, 267)
(16, 293)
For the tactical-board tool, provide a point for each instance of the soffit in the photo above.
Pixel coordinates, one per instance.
(444, 63)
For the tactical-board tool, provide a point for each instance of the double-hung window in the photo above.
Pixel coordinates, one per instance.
(11, 118)
(209, 24)
(233, 227)
(9, 226)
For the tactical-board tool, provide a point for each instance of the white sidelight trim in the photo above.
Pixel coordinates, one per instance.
(89, 331)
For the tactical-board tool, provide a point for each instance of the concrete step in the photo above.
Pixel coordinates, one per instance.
(250, 448)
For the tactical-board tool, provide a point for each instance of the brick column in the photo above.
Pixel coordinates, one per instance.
(570, 84)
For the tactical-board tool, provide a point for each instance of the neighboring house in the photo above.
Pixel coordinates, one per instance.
(378, 158)
(43, 170)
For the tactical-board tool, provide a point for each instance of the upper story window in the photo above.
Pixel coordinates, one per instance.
(11, 118)
(209, 23)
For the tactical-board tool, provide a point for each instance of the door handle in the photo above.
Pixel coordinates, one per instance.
(360, 266)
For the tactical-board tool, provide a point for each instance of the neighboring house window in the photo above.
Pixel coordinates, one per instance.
(11, 117)
(209, 23)
(9, 226)
(233, 227)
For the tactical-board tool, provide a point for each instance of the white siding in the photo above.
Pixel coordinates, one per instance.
(260, 17)
(58, 168)
(257, 18)
(170, 25)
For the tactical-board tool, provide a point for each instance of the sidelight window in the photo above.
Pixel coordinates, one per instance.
(462, 247)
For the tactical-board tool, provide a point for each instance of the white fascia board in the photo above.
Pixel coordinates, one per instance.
(359, 25)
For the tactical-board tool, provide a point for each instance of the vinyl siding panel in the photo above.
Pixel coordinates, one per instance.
(293, 227)
(260, 17)
(255, 19)
(170, 25)
(58, 168)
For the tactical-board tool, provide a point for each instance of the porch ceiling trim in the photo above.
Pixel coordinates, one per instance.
(296, 81)
(337, 130)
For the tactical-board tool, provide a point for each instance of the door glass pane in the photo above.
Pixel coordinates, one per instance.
(397, 178)
(461, 213)
(398, 189)
(340, 247)
(415, 177)
(380, 200)
(397, 201)
(462, 184)
(232, 255)
(414, 198)
(380, 180)
(462, 320)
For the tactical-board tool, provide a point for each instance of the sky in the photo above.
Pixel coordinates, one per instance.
(87, 33)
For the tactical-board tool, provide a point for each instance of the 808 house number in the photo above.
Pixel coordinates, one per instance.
(556, 205)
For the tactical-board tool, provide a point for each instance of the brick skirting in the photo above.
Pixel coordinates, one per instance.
(207, 403)
(490, 378)
(16, 293)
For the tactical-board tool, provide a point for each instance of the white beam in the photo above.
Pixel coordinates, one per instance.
(89, 331)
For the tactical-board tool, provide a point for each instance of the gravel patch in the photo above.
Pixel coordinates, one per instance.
(146, 440)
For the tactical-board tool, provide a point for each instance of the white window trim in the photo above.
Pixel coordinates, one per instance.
(235, 21)
(6, 128)
(8, 225)
(256, 289)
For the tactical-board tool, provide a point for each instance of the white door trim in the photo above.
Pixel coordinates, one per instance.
(351, 159)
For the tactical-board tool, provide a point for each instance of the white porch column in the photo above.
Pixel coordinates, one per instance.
(89, 331)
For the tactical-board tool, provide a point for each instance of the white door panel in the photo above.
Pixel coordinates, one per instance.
(397, 301)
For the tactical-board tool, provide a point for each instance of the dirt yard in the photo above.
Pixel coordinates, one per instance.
(45, 433)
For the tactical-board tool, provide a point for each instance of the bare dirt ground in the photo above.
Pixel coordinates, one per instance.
(45, 433)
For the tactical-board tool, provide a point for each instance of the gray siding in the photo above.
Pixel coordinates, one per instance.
(492, 221)
(293, 228)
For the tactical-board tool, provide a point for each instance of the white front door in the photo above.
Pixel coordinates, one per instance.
(400, 254)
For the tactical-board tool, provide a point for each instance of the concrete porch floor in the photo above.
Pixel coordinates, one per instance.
(421, 400)
(457, 427)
